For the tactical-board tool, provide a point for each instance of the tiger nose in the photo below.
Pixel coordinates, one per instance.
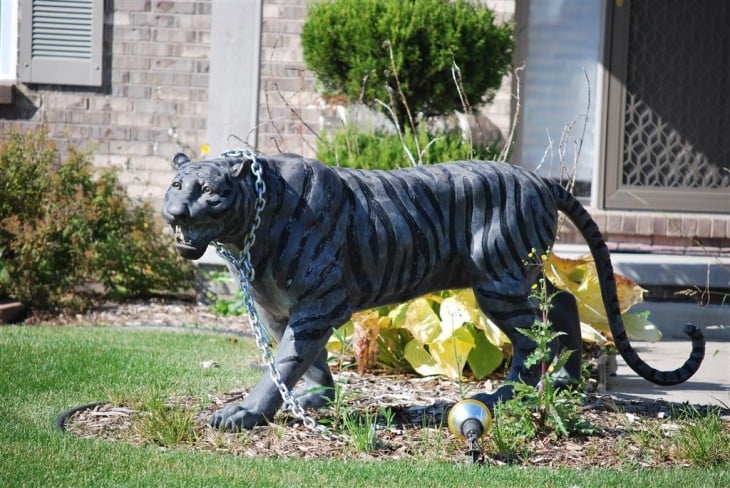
(172, 212)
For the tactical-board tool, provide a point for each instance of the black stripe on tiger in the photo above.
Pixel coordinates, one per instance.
(546, 222)
(527, 244)
(355, 253)
(376, 214)
(452, 235)
(485, 189)
(427, 191)
(419, 245)
(507, 232)
(283, 249)
(424, 211)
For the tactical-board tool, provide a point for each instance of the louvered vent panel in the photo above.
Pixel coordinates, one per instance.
(62, 29)
(61, 42)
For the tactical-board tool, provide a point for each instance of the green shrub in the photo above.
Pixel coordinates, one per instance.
(62, 229)
(351, 148)
(348, 43)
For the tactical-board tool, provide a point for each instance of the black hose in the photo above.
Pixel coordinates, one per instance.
(65, 415)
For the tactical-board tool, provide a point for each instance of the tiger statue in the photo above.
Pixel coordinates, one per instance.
(333, 241)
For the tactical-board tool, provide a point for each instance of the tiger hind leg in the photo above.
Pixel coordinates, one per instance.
(511, 312)
(563, 315)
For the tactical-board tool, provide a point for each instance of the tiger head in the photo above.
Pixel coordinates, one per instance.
(205, 202)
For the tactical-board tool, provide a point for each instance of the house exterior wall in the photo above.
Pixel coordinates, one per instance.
(558, 43)
(153, 98)
(289, 106)
(291, 112)
(659, 232)
(154, 102)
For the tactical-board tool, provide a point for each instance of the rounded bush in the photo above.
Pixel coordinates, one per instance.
(348, 45)
(65, 230)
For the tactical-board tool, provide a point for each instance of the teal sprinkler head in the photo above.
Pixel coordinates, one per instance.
(469, 420)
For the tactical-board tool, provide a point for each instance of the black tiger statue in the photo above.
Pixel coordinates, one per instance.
(333, 241)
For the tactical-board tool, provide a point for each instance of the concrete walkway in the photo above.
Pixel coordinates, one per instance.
(711, 384)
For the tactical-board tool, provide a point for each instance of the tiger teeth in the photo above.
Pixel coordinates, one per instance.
(180, 236)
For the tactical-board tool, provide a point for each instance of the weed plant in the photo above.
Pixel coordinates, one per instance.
(544, 409)
(703, 440)
(226, 307)
(166, 425)
(361, 428)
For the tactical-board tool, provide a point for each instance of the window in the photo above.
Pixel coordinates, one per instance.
(561, 41)
(61, 41)
(8, 41)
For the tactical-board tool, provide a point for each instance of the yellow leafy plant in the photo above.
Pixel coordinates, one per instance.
(579, 277)
(442, 333)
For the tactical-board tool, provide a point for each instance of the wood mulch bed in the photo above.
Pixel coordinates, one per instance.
(633, 433)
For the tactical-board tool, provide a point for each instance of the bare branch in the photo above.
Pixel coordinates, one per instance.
(510, 139)
(400, 134)
(456, 76)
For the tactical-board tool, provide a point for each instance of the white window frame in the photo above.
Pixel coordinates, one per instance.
(8, 41)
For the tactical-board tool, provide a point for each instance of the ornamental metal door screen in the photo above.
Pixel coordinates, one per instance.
(666, 99)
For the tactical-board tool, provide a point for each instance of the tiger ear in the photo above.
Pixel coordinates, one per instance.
(239, 166)
(179, 159)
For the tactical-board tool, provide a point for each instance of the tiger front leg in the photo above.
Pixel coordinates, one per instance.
(301, 347)
(295, 355)
(319, 385)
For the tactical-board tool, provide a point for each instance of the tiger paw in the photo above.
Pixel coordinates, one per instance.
(235, 418)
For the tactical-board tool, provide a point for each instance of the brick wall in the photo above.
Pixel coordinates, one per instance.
(288, 104)
(153, 99)
(670, 233)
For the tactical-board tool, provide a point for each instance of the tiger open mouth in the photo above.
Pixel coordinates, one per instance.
(187, 245)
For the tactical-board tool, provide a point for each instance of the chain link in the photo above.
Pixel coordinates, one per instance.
(242, 268)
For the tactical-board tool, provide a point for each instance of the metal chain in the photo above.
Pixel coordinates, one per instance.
(244, 270)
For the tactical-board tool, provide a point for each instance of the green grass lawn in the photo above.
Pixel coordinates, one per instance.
(45, 370)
